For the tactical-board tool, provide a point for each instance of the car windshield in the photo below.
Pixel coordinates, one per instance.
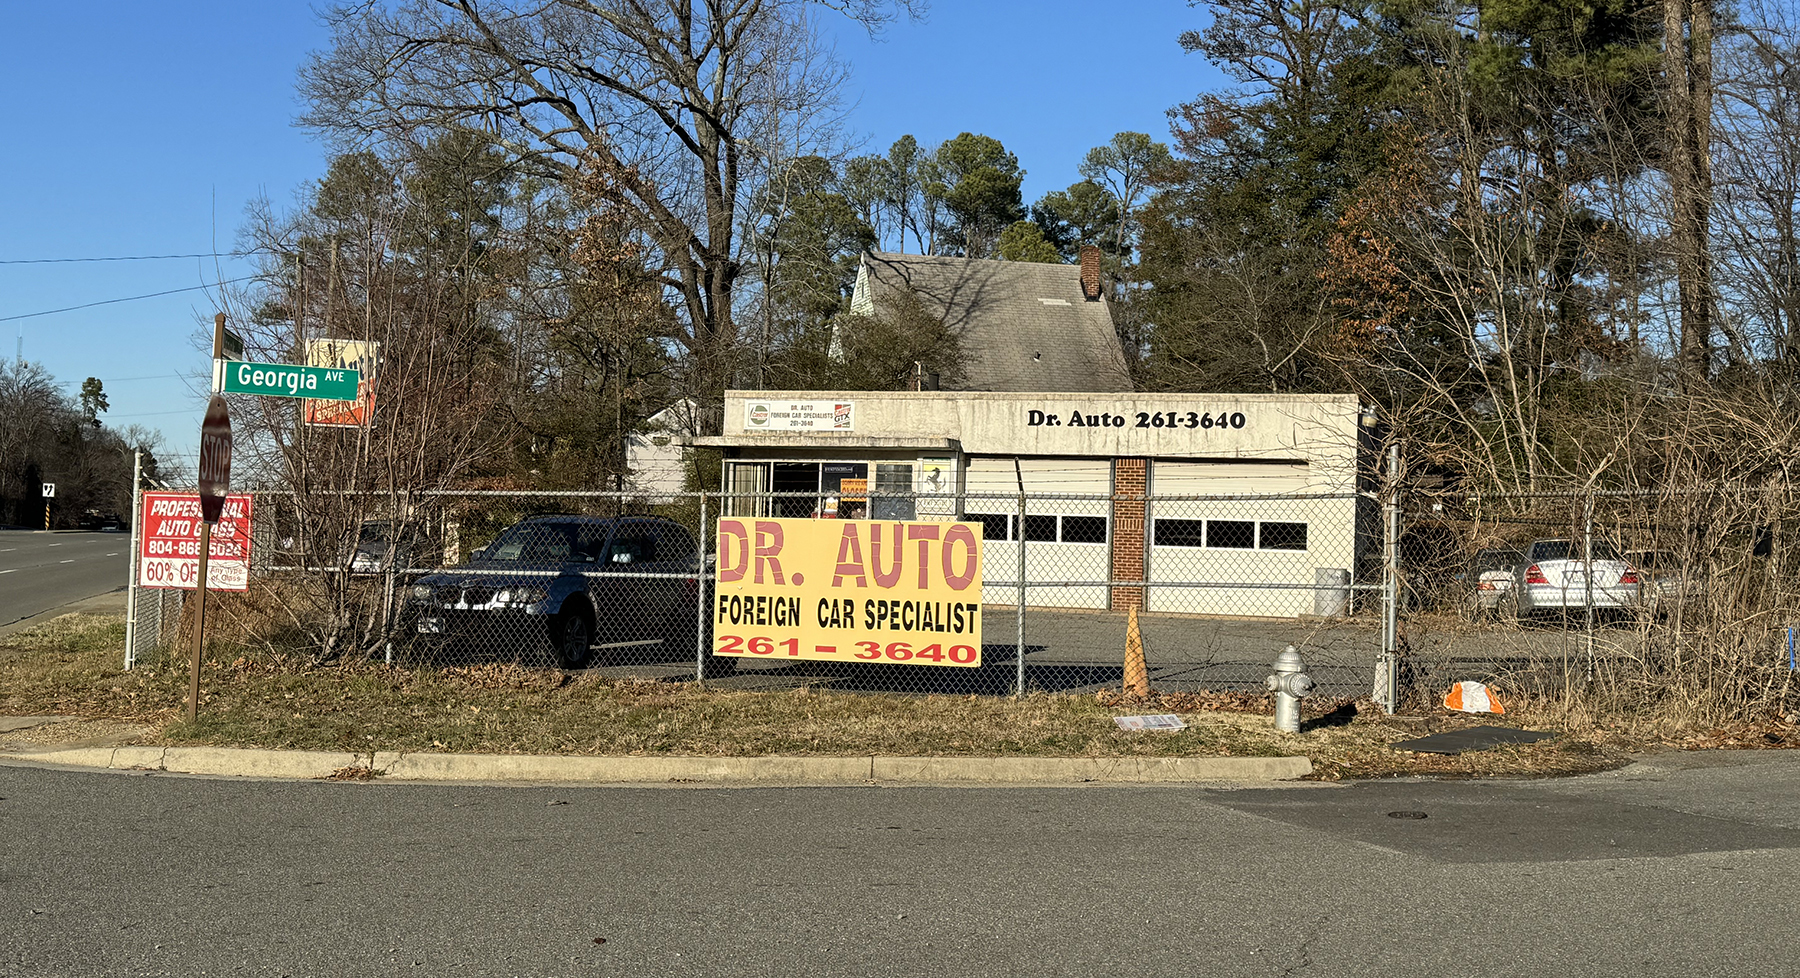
(1488, 560)
(532, 543)
(1570, 550)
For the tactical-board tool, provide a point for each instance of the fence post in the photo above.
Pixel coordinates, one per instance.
(1019, 531)
(1144, 545)
(1587, 576)
(1390, 582)
(131, 561)
(701, 591)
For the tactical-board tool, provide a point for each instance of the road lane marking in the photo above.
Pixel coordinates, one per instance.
(8, 571)
(65, 561)
(112, 555)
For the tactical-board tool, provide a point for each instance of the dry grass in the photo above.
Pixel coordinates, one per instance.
(71, 666)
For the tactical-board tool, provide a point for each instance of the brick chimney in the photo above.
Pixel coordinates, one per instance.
(1090, 273)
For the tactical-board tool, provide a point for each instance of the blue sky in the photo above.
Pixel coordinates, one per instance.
(146, 128)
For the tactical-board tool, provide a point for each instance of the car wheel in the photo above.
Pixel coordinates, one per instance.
(1506, 611)
(571, 638)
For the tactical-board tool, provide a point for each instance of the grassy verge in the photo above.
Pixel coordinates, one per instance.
(71, 666)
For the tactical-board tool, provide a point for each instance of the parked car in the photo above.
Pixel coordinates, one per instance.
(1556, 576)
(575, 586)
(1666, 580)
(380, 541)
(1489, 577)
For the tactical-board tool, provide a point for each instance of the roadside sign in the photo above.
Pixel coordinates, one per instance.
(284, 380)
(849, 590)
(233, 346)
(215, 458)
(49, 490)
(353, 408)
(169, 542)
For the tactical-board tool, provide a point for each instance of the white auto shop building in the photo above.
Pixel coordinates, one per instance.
(1250, 496)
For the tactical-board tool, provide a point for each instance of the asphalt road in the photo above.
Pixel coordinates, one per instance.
(1660, 869)
(42, 571)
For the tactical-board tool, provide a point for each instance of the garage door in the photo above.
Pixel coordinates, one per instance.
(1252, 553)
(1067, 529)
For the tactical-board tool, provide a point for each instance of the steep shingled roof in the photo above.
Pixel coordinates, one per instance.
(1024, 325)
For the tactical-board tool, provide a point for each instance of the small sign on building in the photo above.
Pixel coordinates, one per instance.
(800, 416)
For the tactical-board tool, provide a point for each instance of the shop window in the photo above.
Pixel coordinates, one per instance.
(1282, 536)
(1084, 529)
(845, 484)
(795, 477)
(893, 492)
(994, 526)
(748, 486)
(1040, 528)
(1180, 533)
(1230, 535)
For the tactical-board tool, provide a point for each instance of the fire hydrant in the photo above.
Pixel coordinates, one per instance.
(1289, 682)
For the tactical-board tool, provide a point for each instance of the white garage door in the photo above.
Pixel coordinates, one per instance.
(1245, 555)
(1067, 540)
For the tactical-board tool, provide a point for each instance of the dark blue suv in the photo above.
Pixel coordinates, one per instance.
(583, 587)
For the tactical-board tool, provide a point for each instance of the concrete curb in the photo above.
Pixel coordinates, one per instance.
(396, 766)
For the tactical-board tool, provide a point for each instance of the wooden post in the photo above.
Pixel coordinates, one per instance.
(193, 701)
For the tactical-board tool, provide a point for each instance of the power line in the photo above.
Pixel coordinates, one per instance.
(200, 409)
(67, 261)
(129, 298)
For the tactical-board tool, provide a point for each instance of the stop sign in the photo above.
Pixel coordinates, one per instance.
(215, 459)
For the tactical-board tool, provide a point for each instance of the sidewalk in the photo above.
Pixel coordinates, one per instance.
(106, 603)
(504, 768)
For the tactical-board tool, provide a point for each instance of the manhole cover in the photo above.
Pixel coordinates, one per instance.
(1406, 815)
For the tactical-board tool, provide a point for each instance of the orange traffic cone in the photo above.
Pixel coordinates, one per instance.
(1137, 673)
(1472, 697)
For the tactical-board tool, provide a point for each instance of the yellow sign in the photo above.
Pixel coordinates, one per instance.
(344, 354)
(849, 590)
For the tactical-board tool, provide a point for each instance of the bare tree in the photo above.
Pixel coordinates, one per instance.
(660, 101)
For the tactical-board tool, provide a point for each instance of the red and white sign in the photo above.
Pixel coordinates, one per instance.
(357, 355)
(169, 551)
(215, 459)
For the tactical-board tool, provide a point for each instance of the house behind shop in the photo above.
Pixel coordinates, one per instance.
(1224, 504)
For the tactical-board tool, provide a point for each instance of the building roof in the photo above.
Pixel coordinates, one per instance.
(1024, 326)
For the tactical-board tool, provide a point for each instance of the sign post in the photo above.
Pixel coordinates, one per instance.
(215, 481)
(49, 494)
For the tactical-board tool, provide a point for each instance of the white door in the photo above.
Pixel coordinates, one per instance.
(1251, 548)
(1067, 528)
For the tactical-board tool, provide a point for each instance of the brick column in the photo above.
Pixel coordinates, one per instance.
(1128, 532)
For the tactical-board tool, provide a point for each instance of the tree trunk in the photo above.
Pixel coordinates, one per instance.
(1687, 71)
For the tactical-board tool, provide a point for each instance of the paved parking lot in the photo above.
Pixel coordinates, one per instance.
(1084, 651)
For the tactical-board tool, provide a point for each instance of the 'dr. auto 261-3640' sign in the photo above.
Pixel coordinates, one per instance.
(849, 590)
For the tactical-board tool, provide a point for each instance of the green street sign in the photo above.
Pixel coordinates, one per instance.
(285, 380)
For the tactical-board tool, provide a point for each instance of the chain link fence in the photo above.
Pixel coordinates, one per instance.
(1646, 599)
(628, 584)
(1685, 598)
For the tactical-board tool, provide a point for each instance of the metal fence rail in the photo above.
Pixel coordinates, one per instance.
(624, 583)
(1525, 592)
